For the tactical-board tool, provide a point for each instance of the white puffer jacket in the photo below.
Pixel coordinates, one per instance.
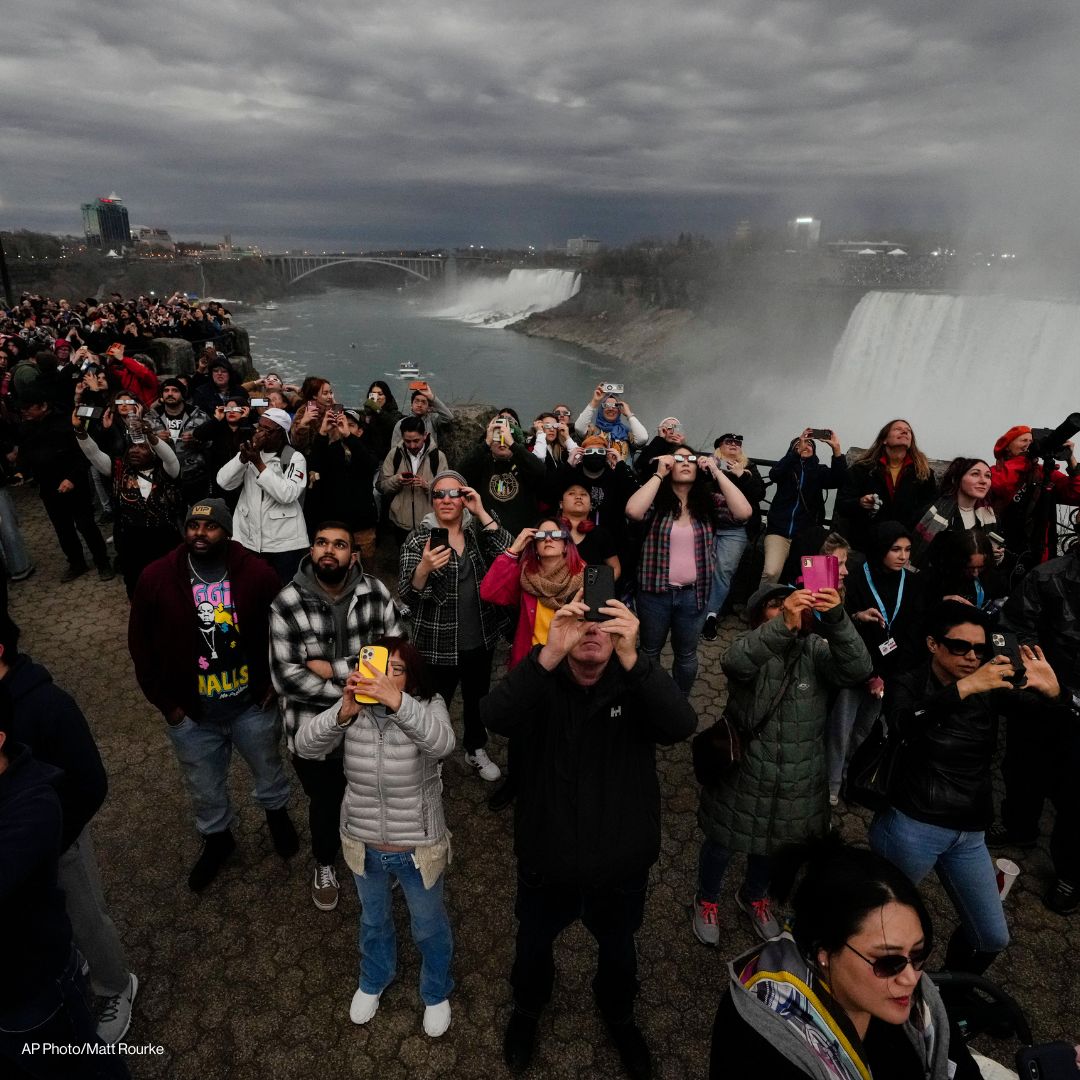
(392, 766)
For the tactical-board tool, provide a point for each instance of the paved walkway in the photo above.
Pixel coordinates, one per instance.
(251, 982)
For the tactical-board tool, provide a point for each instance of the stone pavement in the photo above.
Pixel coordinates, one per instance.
(250, 981)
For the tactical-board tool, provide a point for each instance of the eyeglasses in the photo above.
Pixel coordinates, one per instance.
(736, 439)
(685, 459)
(550, 534)
(448, 493)
(595, 451)
(888, 967)
(960, 647)
(561, 412)
(398, 669)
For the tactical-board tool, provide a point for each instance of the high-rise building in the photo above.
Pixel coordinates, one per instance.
(804, 233)
(105, 222)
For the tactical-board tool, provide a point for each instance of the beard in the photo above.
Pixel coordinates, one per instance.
(331, 575)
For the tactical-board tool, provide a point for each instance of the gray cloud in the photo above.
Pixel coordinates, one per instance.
(519, 122)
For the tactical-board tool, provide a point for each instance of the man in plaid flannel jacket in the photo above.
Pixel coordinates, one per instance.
(318, 623)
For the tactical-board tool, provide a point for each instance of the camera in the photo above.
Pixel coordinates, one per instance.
(612, 387)
(1050, 443)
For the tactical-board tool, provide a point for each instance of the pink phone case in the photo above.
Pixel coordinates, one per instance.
(820, 572)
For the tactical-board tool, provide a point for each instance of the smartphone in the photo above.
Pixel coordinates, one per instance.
(440, 538)
(599, 590)
(408, 476)
(822, 434)
(259, 402)
(89, 412)
(1007, 644)
(820, 572)
(612, 387)
(1048, 1061)
(376, 656)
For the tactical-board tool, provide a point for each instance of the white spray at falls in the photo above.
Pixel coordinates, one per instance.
(498, 302)
(961, 369)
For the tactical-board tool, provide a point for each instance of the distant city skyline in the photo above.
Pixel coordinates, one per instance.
(335, 126)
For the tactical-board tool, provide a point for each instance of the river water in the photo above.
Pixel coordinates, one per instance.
(352, 337)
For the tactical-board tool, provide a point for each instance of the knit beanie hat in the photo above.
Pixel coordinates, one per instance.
(453, 475)
(214, 510)
(174, 383)
(1012, 433)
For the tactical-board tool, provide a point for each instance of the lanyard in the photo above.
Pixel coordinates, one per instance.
(980, 595)
(881, 603)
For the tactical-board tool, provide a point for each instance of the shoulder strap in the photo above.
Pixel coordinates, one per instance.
(775, 703)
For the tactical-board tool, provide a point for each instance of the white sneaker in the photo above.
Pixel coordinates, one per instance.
(363, 1007)
(115, 1018)
(487, 768)
(437, 1019)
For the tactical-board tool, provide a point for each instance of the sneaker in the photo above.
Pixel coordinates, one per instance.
(115, 1018)
(73, 572)
(834, 798)
(761, 917)
(324, 889)
(23, 574)
(437, 1019)
(1000, 836)
(487, 768)
(217, 847)
(282, 832)
(363, 1006)
(519, 1042)
(633, 1049)
(1063, 898)
(708, 631)
(705, 922)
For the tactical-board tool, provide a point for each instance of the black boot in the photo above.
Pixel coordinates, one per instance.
(519, 1042)
(633, 1049)
(217, 847)
(282, 832)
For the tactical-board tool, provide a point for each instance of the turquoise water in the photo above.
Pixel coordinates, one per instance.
(352, 337)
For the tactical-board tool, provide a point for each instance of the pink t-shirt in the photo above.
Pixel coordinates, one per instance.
(683, 570)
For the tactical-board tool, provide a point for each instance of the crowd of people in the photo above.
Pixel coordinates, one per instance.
(246, 519)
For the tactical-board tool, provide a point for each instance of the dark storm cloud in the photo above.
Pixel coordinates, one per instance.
(515, 122)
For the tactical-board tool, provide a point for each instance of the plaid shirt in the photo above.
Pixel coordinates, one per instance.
(433, 609)
(654, 569)
(302, 629)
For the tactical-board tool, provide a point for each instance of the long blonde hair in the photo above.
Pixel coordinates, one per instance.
(873, 455)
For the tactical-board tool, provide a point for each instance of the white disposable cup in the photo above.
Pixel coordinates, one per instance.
(1007, 873)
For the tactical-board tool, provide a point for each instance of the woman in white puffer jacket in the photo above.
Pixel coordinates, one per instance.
(392, 823)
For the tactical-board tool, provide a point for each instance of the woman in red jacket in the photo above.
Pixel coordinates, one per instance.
(538, 573)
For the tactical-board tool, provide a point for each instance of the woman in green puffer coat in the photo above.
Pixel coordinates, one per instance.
(779, 793)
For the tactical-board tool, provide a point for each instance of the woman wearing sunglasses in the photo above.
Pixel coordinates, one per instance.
(944, 715)
(538, 573)
(682, 504)
(844, 996)
(392, 823)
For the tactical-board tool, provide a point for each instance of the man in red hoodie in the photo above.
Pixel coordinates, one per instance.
(1026, 488)
(137, 379)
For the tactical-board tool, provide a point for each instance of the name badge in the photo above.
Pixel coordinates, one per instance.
(888, 646)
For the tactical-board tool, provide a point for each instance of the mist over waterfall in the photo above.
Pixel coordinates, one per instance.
(961, 369)
(498, 302)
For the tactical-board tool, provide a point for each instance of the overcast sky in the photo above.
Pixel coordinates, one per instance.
(331, 124)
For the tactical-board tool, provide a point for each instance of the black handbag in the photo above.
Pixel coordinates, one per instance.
(871, 769)
(717, 751)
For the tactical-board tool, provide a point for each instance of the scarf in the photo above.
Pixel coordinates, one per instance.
(617, 430)
(937, 519)
(553, 590)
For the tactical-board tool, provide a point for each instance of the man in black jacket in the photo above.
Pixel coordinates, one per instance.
(52, 725)
(585, 727)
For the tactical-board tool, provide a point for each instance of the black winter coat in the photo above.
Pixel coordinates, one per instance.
(905, 503)
(588, 805)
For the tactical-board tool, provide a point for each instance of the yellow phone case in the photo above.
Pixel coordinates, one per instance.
(376, 656)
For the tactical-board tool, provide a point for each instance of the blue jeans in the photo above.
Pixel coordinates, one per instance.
(204, 751)
(728, 548)
(675, 611)
(427, 915)
(852, 717)
(11, 537)
(963, 865)
(713, 862)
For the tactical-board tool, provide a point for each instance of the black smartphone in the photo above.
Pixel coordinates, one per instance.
(1007, 644)
(440, 538)
(599, 590)
(822, 434)
(1049, 1061)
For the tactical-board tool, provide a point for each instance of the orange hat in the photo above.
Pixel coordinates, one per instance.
(1012, 433)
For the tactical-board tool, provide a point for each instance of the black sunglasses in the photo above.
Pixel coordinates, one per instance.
(888, 967)
(732, 439)
(960, 647)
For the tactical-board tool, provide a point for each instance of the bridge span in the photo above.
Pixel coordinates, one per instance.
(426, 267)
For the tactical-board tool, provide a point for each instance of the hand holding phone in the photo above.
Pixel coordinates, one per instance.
(820, 572)
(599, 590)
(371, 656)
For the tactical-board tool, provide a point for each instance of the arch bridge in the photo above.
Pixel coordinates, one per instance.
(294, 267)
